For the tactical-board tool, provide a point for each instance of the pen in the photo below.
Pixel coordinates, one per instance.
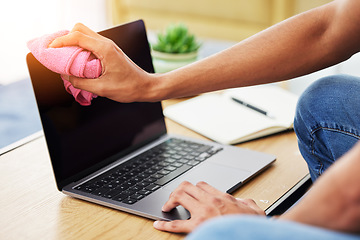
(253, 107)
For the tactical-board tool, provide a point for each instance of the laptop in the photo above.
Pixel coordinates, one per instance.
(119, 154)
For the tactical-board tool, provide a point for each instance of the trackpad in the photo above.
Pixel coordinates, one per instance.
(221, 177)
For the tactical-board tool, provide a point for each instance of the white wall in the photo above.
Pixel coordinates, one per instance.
(351, 67)
(22, 20)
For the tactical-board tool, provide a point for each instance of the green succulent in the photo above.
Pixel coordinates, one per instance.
(176, 39)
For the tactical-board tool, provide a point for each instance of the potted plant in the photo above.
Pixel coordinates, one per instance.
(174, 48)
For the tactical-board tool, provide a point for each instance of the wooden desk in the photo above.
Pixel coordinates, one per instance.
(32, 208)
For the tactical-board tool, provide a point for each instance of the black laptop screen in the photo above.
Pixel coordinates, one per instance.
(82, 139)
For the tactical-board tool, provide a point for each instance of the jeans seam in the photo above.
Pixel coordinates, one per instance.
(313, 152)
(334, 130)
(321, 165)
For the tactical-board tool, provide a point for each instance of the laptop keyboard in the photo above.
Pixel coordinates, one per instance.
(146, 173)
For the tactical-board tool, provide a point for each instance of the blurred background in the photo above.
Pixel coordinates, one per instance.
(220, 23)
(228, 20)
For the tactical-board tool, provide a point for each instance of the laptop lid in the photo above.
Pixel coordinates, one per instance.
(82, 139)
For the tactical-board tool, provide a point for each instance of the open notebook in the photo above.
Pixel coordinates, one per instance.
(219, 117)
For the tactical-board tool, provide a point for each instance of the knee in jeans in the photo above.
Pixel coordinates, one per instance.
(318, 95)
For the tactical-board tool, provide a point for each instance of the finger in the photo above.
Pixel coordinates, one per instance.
(177, 226)
(180, 198)
(79, 27)
(186, 195)
(208, 188)
(89, 85)
(247, 202)
(252, 204)
(215, 195)
(78, 39)
(80, 83)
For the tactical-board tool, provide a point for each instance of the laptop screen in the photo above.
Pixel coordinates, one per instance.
(82, 139)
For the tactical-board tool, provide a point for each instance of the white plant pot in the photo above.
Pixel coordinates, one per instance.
(165, 62)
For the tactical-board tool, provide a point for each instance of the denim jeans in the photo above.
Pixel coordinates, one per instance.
(327, 121)
(259, 228)
(327, 124)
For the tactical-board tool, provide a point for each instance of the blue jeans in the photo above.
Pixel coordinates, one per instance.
(327, 121)
(327, 124)
(260, 228)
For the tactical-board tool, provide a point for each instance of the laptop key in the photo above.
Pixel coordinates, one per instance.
(193, 163)
(108, 195)
(184, 160)
(170, 160)
(214, 150)
(144, 175)
(170, 168)
(163, 172)
(113, 193)
(144, 192)
(135, 188)
(150, 171)
(87, 189)
(129, 192)
(100, 191)
(123, 187)
(129, 201)
(98, 184)
(150, 180)
(167, 178)
(177, 164)
(137, 196)
(157, 176)
(120, 197)
(152, 187)
(203, 148)
(143, 184)
(203, 156)
(162, 164)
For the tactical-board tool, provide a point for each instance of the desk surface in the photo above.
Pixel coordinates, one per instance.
(32, 208)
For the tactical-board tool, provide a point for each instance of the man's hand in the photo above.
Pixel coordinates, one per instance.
(121, 79)
(203, 202)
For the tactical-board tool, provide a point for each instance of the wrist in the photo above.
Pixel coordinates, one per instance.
(158, 87)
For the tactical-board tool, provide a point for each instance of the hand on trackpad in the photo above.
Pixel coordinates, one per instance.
(203, 202)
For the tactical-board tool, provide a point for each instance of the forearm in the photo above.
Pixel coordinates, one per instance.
(300, 45)
(297, 46)
(334, 200)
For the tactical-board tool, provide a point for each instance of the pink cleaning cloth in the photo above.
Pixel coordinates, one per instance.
(67, 60)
